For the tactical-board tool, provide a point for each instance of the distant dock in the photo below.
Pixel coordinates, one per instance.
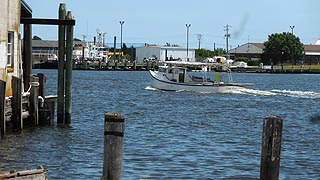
(277, 70)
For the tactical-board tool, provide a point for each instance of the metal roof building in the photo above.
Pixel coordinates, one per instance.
(255, 50)
(164, 53)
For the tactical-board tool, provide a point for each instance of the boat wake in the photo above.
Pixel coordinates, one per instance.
(275, 92)
(151, 88)
(256, 92)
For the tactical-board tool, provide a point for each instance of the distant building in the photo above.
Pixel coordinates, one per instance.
(43, 50)
(164, 53)
(255, 51)
(248, 50)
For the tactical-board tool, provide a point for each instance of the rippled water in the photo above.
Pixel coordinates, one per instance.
(175, 135)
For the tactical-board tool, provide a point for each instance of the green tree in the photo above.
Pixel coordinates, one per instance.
(203, 53)
(282, 48)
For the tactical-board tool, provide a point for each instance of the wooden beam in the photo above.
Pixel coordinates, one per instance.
(27, 55)
(47, 21)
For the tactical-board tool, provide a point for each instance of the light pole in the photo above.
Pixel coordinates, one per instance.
(292, 27)
(188, 26)
(292, 59)
(121, 23)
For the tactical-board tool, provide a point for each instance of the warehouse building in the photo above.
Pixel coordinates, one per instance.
(164, 53)
(254, 51)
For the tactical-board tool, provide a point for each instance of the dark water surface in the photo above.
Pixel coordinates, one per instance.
(175, 135)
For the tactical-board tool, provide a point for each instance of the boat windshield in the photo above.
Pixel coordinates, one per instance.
(161, 69)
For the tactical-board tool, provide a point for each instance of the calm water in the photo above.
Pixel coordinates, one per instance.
(175, 135)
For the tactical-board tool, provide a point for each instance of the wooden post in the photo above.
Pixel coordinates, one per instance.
(27, 55)
(271, 147)
(2, 101)
(34, 102)
(113, 142)
(61, 34)
(46, 113)
(68, 89)
(16, 104)
(42, 105)
(42, 85)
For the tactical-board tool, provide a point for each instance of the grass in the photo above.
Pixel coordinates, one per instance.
(316, 66)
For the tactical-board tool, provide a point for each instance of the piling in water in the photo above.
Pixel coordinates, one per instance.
(2, 101)
(61, 34)
(271, 147)
(16, 104)
(113, 142)
(42, 85)
(69, 63)
(34, 101)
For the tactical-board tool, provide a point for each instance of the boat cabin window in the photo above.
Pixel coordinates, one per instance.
(162, 69)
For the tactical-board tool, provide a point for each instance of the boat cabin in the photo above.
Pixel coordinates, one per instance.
(176, 74)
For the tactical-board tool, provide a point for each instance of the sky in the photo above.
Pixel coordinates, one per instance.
(164, 21)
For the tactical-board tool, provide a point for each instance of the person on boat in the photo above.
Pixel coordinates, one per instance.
(217, 77)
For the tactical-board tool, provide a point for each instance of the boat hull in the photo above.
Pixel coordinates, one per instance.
(162, 83)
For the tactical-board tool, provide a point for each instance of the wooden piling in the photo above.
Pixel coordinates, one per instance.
(44, 107)
(68, 88)
(61, 34)
(42, 85)
(46, 113)
(34, 101)
(16, 104)
(2, 101)
(271, 147)
(114, 48)
(113, 142)
(27, 54)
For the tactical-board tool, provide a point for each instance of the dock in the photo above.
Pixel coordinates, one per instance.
(34, 174)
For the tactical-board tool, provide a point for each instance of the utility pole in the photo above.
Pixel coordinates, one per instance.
(103, 38)
(84, 37)
(199, 36)
(227, 35)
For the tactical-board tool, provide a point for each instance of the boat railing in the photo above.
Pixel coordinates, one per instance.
(229, 76)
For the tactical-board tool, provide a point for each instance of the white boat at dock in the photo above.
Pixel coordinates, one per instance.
(175, 76)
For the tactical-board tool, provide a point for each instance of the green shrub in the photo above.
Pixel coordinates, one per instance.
(253, 62)
(244, 59)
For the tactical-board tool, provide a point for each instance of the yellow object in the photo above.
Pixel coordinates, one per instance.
(10, 69)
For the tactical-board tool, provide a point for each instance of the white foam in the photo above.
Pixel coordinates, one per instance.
(303, 94)
(257, 92)
(150, 88)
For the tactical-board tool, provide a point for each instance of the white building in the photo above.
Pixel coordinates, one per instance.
(163, 53)
(10, 43)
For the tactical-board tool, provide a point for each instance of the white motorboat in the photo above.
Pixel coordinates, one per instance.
(174, 77)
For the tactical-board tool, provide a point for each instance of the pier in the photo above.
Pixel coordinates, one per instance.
(23, 96)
